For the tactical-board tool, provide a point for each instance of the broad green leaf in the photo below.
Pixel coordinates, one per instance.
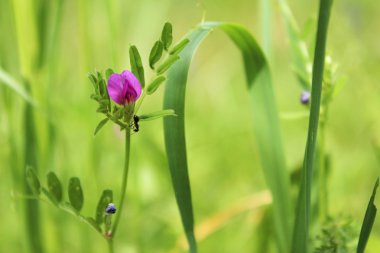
(266, 127)
(136, 65)
(156, 53)
(105, 199)
(100, 125)
(75, 194)
(54, 186)
(32, 180)
(166, 35)
(157, 115)
(302, 221)
(153, 86)
(166, 64)
(368, 221)
(15, 86)
(180, 46)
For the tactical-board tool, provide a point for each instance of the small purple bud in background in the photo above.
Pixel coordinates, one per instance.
(305, 97)
(111, 209)
(124, 88)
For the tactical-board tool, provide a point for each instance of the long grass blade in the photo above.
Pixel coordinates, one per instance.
(266, 128)
(301, 226)
(368, 221)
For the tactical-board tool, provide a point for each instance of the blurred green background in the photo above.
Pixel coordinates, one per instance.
(52, 45)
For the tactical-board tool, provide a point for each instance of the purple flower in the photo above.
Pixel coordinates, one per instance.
(124, 88)
(305, 97)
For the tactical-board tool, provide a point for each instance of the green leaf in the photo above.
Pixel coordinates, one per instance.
(302, 221)
(153, 86)
(167, 63)
(156, 53)
(136, 65)
(100, 125)
(92, 79)
(368, 221)
(266, 127)
(54, 186)
(15, 86)
(180, 46)
(157, 115)
(75, 194)
(166, 35)
(32, 180)
(109, 72)
(105, 199)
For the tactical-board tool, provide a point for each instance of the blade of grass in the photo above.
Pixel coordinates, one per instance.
(266, 128)
(368, 221)
(31, 206)
(301, 226)
(15, 86)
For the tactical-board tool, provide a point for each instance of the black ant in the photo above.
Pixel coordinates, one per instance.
(136, 126)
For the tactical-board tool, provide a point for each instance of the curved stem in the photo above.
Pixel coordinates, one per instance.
(124, 181)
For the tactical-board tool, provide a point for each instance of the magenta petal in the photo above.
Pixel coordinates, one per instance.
(116, 89)
(133, 86)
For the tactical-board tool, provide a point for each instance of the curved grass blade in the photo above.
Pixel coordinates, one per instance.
(266, 128)
(17, 87)
(368, 221)
(301, 226)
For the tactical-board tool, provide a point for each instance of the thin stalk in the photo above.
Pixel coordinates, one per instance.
(323, 206)
(124, 181)
(110, 245)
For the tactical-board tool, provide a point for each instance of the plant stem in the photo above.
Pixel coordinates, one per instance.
(124, 181)
(323, 211)
(110, 245)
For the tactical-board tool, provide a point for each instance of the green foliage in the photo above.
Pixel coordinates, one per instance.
(136, 65)
(153, 86)
(32, 180)
(54, 186)
(337, 236)
(105, 199)
(166, 35)
(156, 53)
(369, 220)
(264, 111)
(75, 194)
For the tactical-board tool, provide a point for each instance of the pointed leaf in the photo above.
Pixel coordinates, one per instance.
(54, 186)
(157, 115)
(166, 35)
(166, 64)
(105, 199)
(153, 86)
(368, 221)
(156, 53)
(100, 125)
(75, 193)
(32, 180)
(180, 46)
(136, 65)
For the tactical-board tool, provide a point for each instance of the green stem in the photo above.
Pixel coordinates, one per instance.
(323, 210)
(124, 182)
(110, 245)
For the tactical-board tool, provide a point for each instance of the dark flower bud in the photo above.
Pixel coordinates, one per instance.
(111, 209)
(305, 97)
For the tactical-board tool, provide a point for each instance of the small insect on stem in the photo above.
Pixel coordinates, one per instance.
(136, 120)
